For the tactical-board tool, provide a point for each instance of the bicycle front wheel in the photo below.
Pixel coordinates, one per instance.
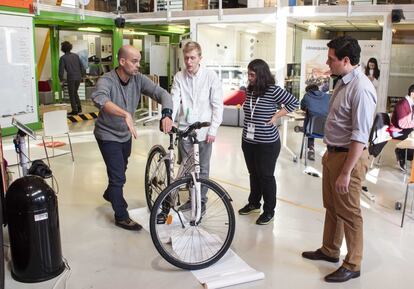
(186, 244)
(157, 176)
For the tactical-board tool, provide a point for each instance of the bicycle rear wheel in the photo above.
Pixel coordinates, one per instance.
(157, 175)
(187, 245)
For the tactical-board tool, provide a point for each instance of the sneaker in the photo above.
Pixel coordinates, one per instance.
(311, 155)
(264, 219)
(249, 209)
(128, 224)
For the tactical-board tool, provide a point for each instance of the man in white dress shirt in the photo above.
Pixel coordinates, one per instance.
(197, 96)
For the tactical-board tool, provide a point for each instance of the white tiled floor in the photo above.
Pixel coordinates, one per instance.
(104, 256)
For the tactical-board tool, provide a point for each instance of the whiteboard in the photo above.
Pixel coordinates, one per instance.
(159, 59)
(17, 70)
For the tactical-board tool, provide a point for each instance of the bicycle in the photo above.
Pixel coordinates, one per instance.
(195, 238)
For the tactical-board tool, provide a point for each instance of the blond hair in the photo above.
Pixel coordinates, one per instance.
(192, 45)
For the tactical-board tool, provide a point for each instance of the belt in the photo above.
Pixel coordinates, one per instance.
(337, 149)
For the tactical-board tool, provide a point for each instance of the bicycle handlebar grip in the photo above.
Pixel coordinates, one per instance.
(174, 130)
(204, 124)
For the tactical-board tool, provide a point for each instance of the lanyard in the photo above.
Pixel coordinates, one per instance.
(252, 109)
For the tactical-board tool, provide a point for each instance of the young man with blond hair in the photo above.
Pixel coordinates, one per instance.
(197, 96)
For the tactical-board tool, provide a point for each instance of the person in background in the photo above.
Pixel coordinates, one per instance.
(402, 124)
(74, 74)
(197, 96)
(315, 103)
(260, 137)
(117, 95)
(373, 73)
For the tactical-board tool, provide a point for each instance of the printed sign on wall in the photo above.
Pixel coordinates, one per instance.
(314, 69)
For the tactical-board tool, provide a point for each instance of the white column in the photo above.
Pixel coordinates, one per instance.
(280, 46)
(193, 29)
(385, 64)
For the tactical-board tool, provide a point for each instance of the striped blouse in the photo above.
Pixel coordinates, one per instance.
(264, 107)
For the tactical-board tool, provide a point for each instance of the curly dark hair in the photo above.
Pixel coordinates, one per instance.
(376, 70)
(346, 46)
(311, 87)
(66, 46)
(264, 77)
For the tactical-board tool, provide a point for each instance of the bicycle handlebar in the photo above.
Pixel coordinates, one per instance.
(190, 129)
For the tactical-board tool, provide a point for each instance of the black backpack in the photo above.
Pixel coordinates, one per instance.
(379, 135)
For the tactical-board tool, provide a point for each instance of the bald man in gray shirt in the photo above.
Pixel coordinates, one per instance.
(345, 163)
(117, 95)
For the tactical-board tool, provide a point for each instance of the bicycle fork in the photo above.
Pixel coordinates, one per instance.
(195, 190)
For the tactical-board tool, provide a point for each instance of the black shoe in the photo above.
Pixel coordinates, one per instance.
(264, 219)
(73, 113)
(106, 197)
(318, 255)
(249, 209)
(80, 110)
(128, 224)
(342, 275)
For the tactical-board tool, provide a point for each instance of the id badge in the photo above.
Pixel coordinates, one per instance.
(250, 131)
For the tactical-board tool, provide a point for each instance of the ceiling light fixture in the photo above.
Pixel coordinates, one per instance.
(90, 29)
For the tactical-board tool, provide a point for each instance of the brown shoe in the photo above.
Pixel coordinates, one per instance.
(128, 224)
(318, 255)
(342, 275)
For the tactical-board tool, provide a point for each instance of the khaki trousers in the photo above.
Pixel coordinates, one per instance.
(343, 212)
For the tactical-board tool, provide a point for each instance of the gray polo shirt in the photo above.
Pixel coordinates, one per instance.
(351, 110)
(110, 127)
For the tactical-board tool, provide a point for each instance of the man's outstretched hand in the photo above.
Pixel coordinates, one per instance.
(130, 123)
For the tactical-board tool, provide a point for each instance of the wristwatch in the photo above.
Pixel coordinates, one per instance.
(166, 112)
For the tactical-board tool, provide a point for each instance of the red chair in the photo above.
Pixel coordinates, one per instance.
(235, 97)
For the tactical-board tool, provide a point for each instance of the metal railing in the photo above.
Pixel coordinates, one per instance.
(150, 6)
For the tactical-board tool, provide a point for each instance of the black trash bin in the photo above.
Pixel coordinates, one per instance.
(33, 222)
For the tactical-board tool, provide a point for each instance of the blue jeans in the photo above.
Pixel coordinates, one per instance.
(115, 155)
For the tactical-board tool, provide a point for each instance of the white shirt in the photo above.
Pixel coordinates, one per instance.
(198, 97)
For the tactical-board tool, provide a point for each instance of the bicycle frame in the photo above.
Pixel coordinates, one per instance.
(196, 190)
(170, 156)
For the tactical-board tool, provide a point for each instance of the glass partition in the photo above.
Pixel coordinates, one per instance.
(401, 64)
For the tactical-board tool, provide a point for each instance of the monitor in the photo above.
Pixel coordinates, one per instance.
(23, 128)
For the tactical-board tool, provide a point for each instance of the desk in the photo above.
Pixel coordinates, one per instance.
(298, 115)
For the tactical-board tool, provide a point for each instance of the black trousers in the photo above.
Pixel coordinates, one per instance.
(261, 162)
(73, 86)
(400, 153)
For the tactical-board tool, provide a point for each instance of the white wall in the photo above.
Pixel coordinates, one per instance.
(227, 46)
(218, 44)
